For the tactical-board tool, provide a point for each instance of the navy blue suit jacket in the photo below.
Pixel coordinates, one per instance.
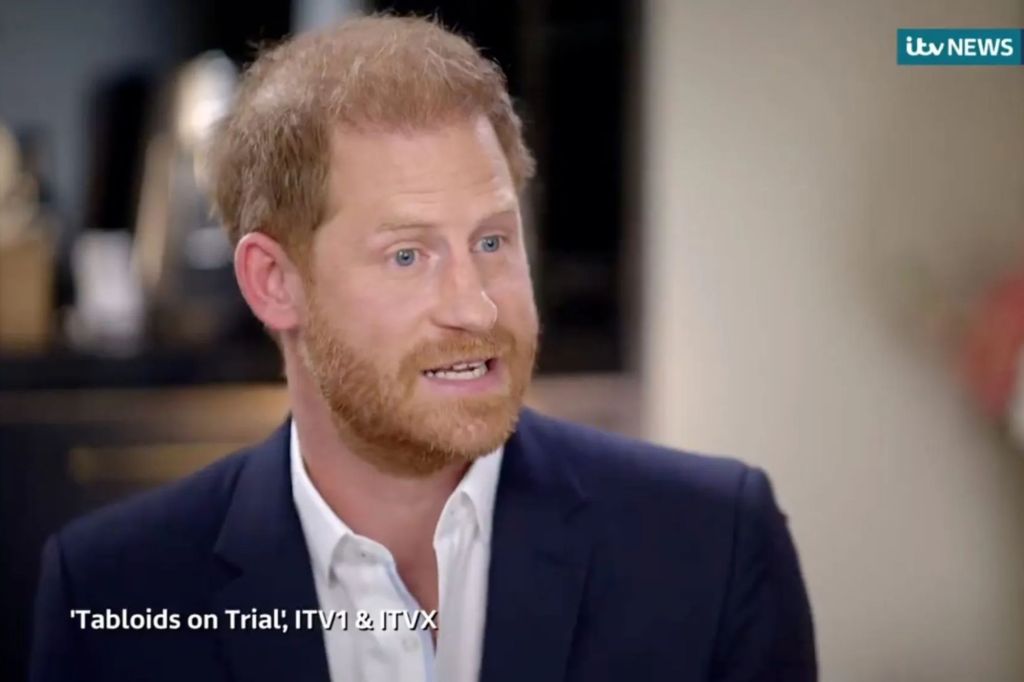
(611, 559)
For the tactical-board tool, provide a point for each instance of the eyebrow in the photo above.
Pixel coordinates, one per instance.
(402, 225)
(398, 226)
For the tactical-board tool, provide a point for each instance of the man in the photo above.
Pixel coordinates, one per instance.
(369, 176)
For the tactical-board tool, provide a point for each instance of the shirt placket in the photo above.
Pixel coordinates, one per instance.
(374, 587)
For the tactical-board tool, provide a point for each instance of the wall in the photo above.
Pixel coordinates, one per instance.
(814, 220)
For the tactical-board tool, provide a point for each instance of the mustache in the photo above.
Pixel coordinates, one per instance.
(459, 346)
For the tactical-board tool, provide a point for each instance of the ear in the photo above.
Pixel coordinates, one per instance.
(269, 282)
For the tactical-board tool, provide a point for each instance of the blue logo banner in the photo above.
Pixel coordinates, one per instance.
(959, 46)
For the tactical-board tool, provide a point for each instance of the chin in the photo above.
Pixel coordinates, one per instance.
(467, 434)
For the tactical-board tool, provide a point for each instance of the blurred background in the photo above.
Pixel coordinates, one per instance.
(752, 234)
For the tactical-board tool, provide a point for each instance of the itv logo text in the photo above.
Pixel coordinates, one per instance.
(959, 46)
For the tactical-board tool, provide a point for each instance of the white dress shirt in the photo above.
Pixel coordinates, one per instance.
(353, 572)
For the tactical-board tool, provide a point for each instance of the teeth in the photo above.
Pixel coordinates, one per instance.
(463, 371)
(461, 366)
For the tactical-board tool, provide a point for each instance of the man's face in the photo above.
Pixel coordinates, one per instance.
(420, 325)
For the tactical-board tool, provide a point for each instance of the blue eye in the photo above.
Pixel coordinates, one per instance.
(405, 257)
(490, 244)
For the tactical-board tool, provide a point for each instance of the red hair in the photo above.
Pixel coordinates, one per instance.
(269, 159)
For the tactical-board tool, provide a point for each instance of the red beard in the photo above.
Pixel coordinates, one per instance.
(383, 419)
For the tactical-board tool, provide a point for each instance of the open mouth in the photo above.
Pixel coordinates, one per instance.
(461, 371)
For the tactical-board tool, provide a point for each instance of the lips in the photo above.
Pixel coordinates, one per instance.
(464, 370)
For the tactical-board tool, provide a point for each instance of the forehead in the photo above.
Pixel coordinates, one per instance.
(459, 163)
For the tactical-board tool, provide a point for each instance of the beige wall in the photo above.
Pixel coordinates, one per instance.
(814, 219)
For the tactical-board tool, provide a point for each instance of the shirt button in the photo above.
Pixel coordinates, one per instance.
(410, 643)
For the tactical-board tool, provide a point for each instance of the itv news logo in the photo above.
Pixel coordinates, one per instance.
(959, 46)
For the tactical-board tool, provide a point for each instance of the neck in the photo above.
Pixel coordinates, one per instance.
(401, 513)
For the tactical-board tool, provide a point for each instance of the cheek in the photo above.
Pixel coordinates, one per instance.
(376, 316)
(514, 298)
(385, 322)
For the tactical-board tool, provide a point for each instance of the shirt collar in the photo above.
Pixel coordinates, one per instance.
(480, 486)
(324, 530)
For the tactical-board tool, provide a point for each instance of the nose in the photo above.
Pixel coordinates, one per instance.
(463, 301)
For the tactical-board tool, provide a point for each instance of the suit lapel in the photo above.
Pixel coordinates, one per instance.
(540, 549)
(267, 565)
